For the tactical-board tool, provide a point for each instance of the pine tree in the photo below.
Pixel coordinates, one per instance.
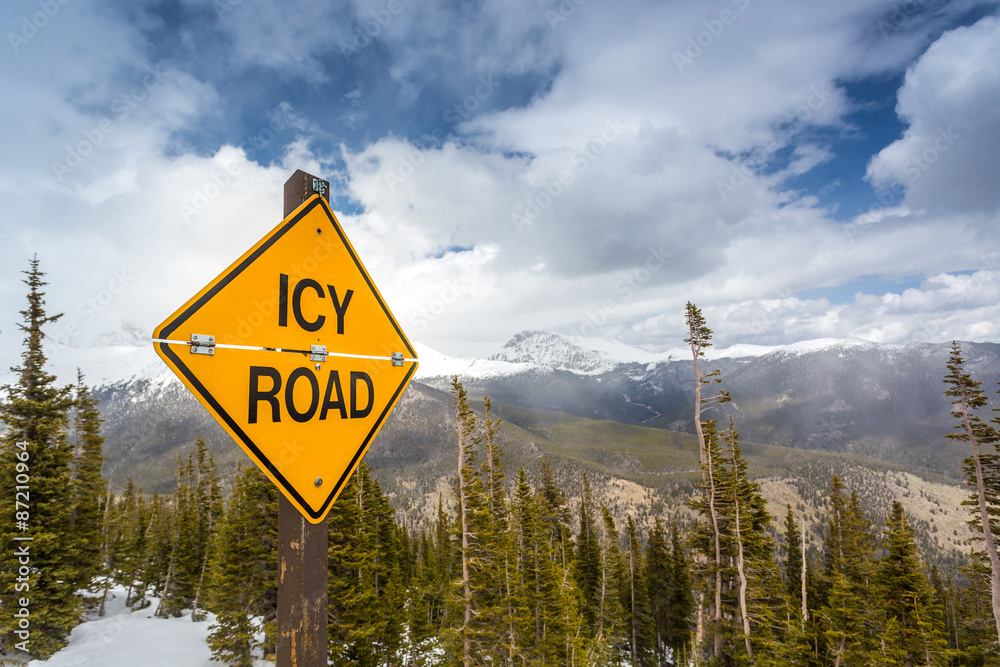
(157, 545)
(184, 563)
(587, 564)
(495, 551)
(793, 562)
(242, 588)
(848, 553)
(972, 615)
(36, 460)
(130, 520)
(641, 640)
(87, 513)
(366, 576)
(421, 609)
(680, 600)
(471, 507)
(524, 618)
(351, 592)
(611, 619)
(658, 577)
(235, 582)
(549, 621)
(711, 538)
(699, 338)
(109, 543)
(968, 399)
(208, 495)
(386, 572)
(907, 597)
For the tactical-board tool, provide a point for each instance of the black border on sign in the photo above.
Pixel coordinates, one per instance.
(245, 439)
(196, 384)
(239, 268)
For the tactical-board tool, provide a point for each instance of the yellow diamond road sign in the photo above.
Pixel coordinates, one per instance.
(293, 350)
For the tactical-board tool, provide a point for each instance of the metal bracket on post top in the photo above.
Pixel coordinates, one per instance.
(397, 358)
(202, 344)
(317, 353)
(319, 186)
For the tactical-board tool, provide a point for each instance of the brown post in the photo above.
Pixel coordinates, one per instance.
(302, 546)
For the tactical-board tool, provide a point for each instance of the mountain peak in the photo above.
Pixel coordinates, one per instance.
(556, 351)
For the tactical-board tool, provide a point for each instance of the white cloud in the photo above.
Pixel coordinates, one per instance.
(600, 206)
(949, 157)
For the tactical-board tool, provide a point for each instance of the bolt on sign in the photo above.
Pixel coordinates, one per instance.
(296, 354)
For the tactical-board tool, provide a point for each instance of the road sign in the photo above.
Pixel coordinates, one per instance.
(295, 353)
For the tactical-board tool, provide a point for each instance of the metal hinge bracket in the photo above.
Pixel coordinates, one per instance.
(397, 358)
(202, 344)
(317, 353)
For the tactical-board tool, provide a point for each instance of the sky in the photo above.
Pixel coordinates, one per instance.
(797, 169)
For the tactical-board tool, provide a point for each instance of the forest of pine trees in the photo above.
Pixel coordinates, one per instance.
(510, 572)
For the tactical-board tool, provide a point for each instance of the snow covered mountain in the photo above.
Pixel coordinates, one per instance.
(833, 395)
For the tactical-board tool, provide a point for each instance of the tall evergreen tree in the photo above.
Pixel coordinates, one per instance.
(350, 593)
(550, 623)
(157, 544)
(235, 582)
(35, 466)
(197, 500)
(611, 613)
(710, 540)
(131, 519)
(793, 562)
(968, 399)
(680, 600)
(699, 338)
(87, 513)
(208, 496)
(471, 514)
(658, 576)
(640, 636)
(907, 597)
(496, 547)
(849, 554)
(587, 564)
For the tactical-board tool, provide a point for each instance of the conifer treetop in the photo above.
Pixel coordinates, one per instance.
(31, 373)
(699, 335)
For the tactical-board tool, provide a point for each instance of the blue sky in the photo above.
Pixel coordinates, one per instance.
(799, 170)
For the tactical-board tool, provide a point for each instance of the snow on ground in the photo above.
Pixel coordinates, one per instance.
(125, 638)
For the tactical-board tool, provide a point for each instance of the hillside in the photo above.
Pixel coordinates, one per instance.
(634, 469)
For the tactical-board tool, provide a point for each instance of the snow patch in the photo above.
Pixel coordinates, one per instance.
(125, 638)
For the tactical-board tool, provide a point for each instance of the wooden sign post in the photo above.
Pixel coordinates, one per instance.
(302, 550)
